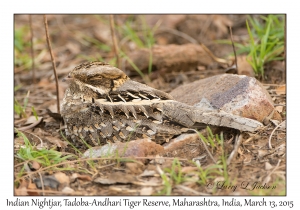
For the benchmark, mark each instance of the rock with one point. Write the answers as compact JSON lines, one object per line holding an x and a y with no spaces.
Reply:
{"x":235,"y":94}
{"x":169,"y":58}
{"x":136,"y":148}
{"x":184,"y":146}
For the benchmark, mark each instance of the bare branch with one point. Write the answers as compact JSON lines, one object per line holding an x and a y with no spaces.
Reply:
{"x":53,"y":62}
{"x":235,"y":58}
{"x":32,"y":52}
{"x":114,"y":39}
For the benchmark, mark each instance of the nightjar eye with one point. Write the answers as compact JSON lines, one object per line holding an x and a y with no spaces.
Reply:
{"x":95,"y":78}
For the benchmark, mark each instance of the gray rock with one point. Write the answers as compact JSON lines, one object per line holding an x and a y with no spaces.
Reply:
{"x":235,"y":94}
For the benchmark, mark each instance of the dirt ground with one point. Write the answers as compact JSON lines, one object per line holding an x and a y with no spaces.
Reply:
{"x":79,"y":38}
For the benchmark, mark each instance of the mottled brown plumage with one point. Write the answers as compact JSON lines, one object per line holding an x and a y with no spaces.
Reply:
{"x":102,"y":104}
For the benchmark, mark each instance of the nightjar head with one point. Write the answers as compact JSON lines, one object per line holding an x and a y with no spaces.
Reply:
{"x":98,"y":77}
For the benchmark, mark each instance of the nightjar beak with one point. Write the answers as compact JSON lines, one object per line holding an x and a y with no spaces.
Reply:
{"x":67,"y":79}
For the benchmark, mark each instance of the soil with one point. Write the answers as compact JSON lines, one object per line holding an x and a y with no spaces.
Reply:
{"x":79,"y":38}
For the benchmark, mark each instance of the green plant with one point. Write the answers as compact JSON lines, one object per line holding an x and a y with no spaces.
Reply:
{"x":34,"y":113}
{"x":18,"y":108}
{"x":167,"y":189}
{"x":223,"y":158}
{"x":21,"y":47}
{"x":43,"y":156}
{"x":175,"y":172}
{"x":211,"y":139}
{"x":171,"y":176}
{"x":132,"y":64}
{"x":266,"y":41}
{"x":101,"y":46}
{"x":208,"y":174}
{"x":220,"y":166}
{"x":143,"y":37}
{"x":269,"y":42}
{"x":20,"y":41}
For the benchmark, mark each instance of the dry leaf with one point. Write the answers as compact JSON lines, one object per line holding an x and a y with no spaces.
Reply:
{"x":279,"y":108}
{"x":32,"y":119}
{"x":22,"y":189}
{"x":135,"y":168}
{"x":280,"y":90}
{"x":81,"y":177}
{"x":67,"y":190}
{"x":268,"y":166}
{"x":262,"y":153}
{"x":189,"y":169}
{"x":105,"y":181}
{"x":116,"y":177}
{"x":267,"y":179}
{"x":57,"y":141}
{"x":32,"y":186}
{"x":275,"y":122}
{"x":148,"y":173}
{"x":146,"y":191}
{"x":244,"y":68}
{"x":53,"y":108}
{"x":62,"y":178}
{"x":32,"y":123}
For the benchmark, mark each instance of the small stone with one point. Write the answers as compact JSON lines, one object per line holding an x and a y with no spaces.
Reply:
{"x":146,"y":191}
{"x":184,"y":146}
{"x":62,"y":178}
{"x":268,"y":166}
{"x":135,"y":148}
{"x":67,"y":190}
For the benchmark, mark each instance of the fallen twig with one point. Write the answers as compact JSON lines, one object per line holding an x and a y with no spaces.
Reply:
{"x":238,"y":140}
{"x":270,"y":138}
{"x":187,"y":189}
{"x":36,"y":137}
{"x":30,"y":126}
{"x":216,"y":59}
{"x":276,"y":167}
{"x":42,"y":182}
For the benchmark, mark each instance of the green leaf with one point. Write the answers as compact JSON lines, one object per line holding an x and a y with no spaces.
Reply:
{"x":34,"y":113}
